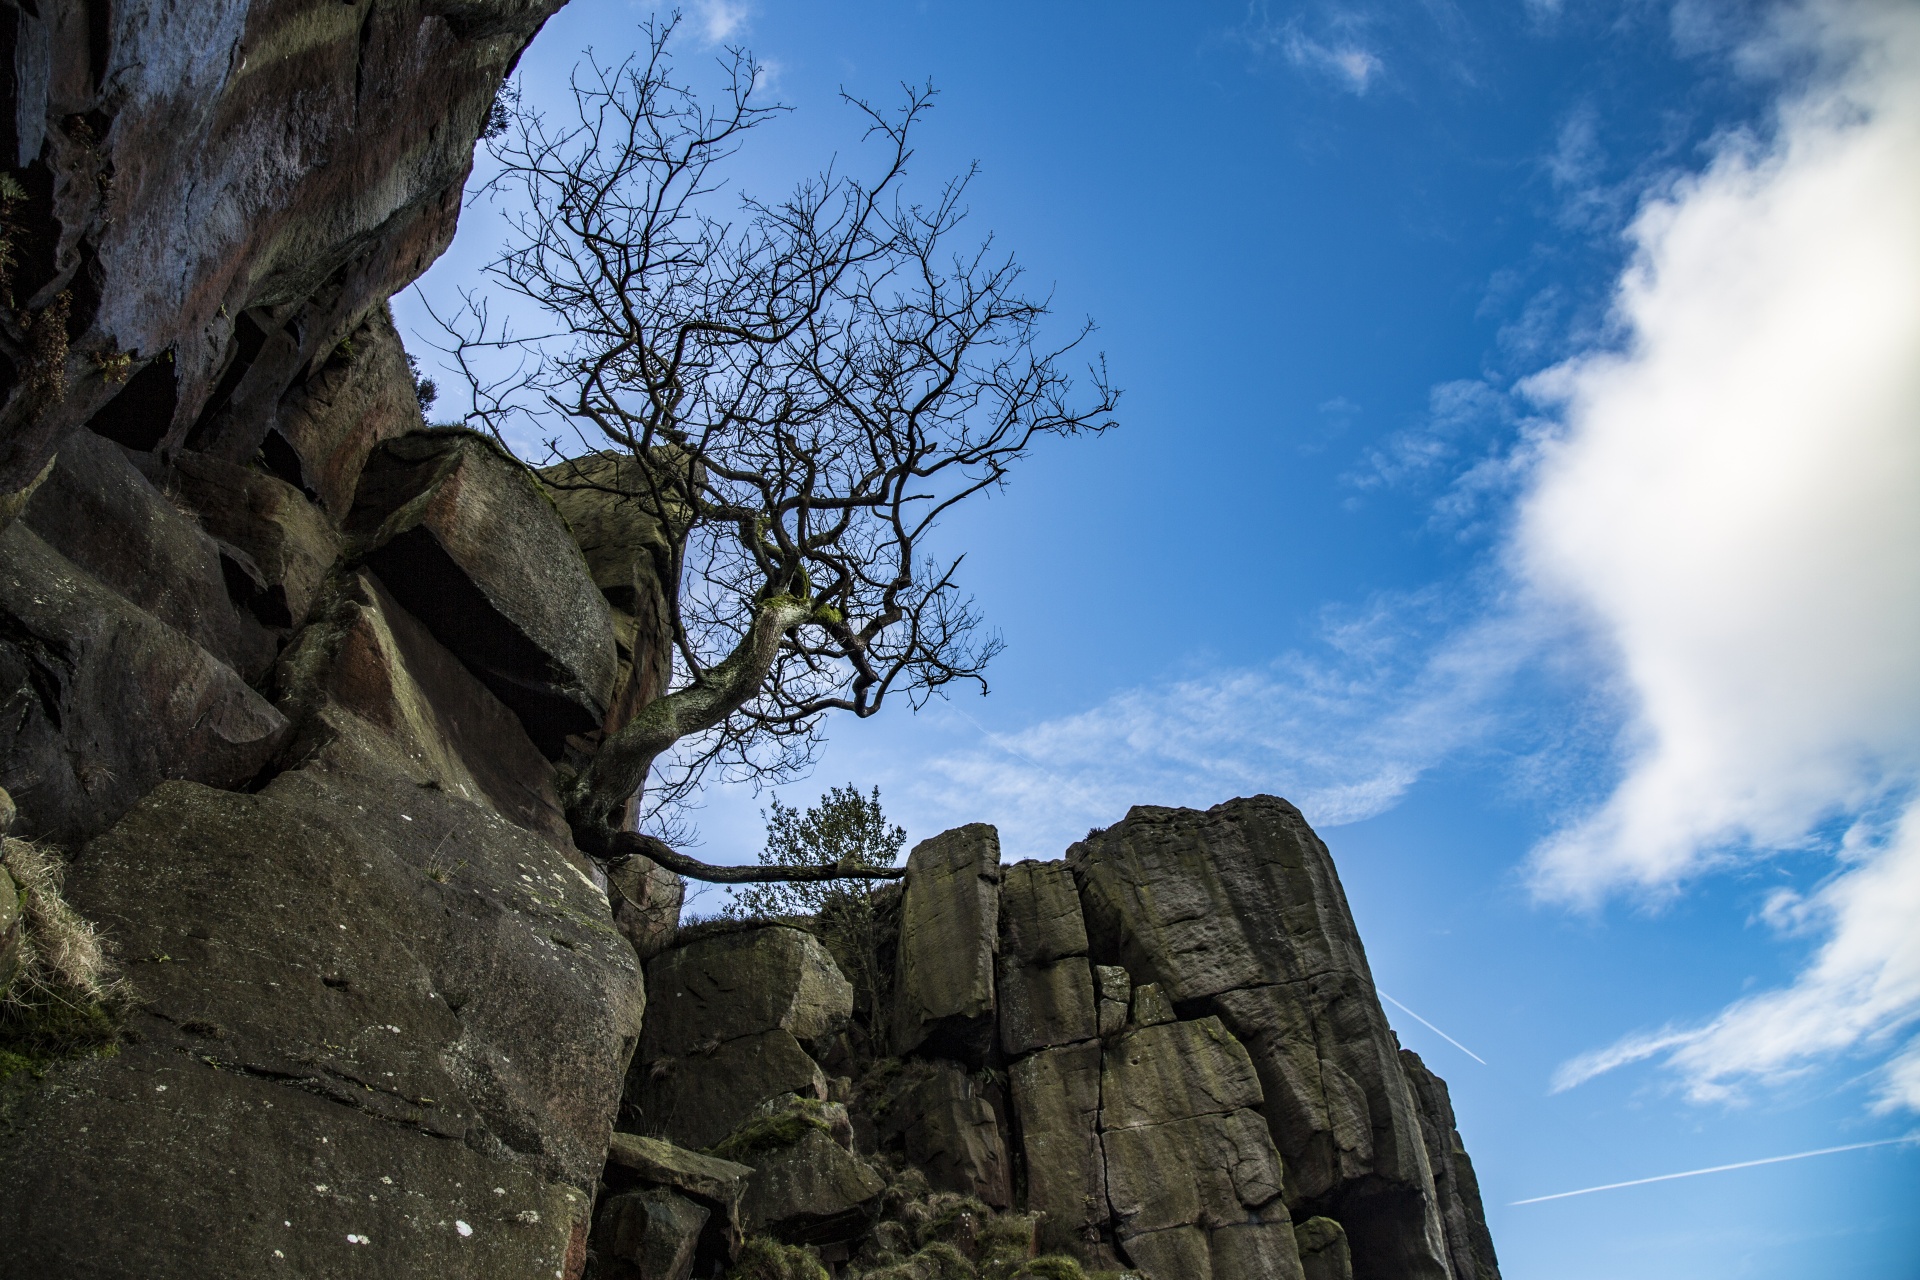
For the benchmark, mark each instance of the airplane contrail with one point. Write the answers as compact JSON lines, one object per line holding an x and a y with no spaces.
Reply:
{"x":1722,"y":1168}
{"x":1429,"y":1026}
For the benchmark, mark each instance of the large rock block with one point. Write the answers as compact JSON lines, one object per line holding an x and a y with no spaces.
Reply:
{"x":1469,"y":1243}
{"x":1056,"y":1094}
{"x":214,"y":196}
{"x":363,"y":1005}
{"x":362,"y":394}
{"x":812,"y":1192}
{"x":951,"y":1133}
{"x":1323,"y":1250}
{"x":646,"y":904}
{"x":949,"y":933}
{"x":730,"y":985}
{"x":1040,"y":917}
{"x":1185,"y":1151}
{"x":101,"y":513}
{"x":466,"y":540}
{"x":698,"y":1098}
{"x":1043,"y":1005}
{"x":281,"y":547}
{"x":106,"y":700}
{"x":369,"y":673}
{"x":1174,"y":1071}
{"x":651,"y":1234}
{"x":634,"y":1161}
{"x":628,"y":526}
{"x":1240,"y":907}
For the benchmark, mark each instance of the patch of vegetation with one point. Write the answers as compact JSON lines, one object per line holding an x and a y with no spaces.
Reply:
{"x":772,"y":1133}
{"x":763,"y":1258}
{"x":64,"y":1002}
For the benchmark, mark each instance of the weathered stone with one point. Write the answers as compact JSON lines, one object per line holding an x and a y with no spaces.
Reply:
{"x":1323,"y":1250}
{"x":103,"y":515}
{"x":1042,"y":1005}
{"x":1040,"y":914}
{"x":1245,"y":1251}
{"x":952,"y":1135}
{"x":646,"y":904}
{"x":8,"y":813}
{"x":660,"y":1163}
{"x":646,"y":1235}
{"x":286,"y":540}
{"x":170,"y":1166}
{"x":465,"y":539}
{"x":812,"y":1192}
{"x":610,"y":503}
{"x":362,"y":394}
{"x":1203,"y":1171}
{"x":1115,"y":996}
{"x":320,"y":1012}
{"x":1469,"y":1243}
{"x":730,"y":985}
{"x":106,"y":700}
{"x":1150,"y":1006}
{"x":370,"y":672}
{"x":1240,"y":906}
{"x":949,"y":932}
{"x":214,"y":196}
{"x":1056,"y":1094}
{"x":1174,"y":1071}
{"x":697,"y":1099}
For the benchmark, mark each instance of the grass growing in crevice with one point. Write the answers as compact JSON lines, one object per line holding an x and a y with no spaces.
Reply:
{"x":64,"y":1001}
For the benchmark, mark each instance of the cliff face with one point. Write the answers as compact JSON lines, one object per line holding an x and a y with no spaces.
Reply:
{"x":286,"y":677}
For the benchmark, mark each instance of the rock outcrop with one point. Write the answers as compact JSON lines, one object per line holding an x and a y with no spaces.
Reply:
{"x":293,"y":682}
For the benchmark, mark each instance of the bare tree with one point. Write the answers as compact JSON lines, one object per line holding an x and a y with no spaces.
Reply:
{"x":808,"y":386}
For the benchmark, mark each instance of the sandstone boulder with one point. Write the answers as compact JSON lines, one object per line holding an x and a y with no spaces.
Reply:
{"x":1040,"y":914}
{"x":660,"y":1163}
{"x":1114,"y":994}
{"x":282,"y":544}
{"x":325,"y":425}
{"x":1056,"y":1094}
{"x":1150,"y":1006}
{"x":611,"y":503}
{"x":696,"y":1099}
{"x":651,"y":1234}
{"x":812,"y":1192}
{"x":465,"y":539}
{"x":950,"y":1132}
{"x":745,"y":983}
{"x":1240,"y":907}
{"x":368,"y":672}
{"x":646,"y":904}
{"x":1043,"y":1005}
{"x":1323,"y":1250}
{"x":104,"y":516}
{"x":949,"y":933}
{"x":106,"y":700}
{"x":363,"y":1005}
{"x":1186,"y":1152}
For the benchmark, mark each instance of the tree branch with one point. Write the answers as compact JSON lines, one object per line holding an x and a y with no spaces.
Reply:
{"x":632,"y":844}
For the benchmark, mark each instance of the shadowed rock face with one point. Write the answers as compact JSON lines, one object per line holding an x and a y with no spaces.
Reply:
{"x":223,"y":191}
{"x":467,"y":541}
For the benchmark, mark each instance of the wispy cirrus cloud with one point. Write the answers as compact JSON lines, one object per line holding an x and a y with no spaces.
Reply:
{"x":1336,"y":48}
{"x":1342,"y":732}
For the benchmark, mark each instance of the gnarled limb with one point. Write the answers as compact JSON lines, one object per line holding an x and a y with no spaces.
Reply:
{"x":632,"y":844}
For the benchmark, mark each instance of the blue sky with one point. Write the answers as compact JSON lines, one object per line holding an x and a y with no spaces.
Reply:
{"x":1520,"y":471}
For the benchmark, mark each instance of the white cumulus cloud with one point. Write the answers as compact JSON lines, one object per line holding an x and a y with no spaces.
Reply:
{"x":1734,"y":509}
